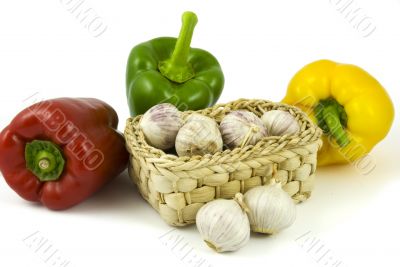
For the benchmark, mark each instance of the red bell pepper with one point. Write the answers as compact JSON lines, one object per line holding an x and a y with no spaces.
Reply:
{"x":61,"y":151}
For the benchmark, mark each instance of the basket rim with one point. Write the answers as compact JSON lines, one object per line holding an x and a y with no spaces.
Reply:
{"x":310,"y":133}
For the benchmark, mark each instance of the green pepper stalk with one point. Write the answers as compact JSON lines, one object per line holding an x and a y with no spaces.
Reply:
{"x":168,"y":70}
{"x":177,"y":68}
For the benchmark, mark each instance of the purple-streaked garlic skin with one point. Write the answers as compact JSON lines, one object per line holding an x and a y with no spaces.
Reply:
{"x":160,"y":125}
{"x":199,"y":135}
{"x":239,"y":125}
{"x":199,"y":117}
{"x":280,"y":122}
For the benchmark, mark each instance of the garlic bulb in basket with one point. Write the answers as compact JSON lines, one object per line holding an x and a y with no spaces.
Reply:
{"x":160,"y":125}
{"x":241,"y":127}
{"x":199,"y":135}
{"x":224,"y":224}
{"x":279,"y":122}
{"x":271,"y":208}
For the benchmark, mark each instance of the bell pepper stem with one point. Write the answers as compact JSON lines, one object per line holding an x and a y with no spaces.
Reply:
{"x":44,"y":159}
{"x":332,"y":119}
{"x":44,"y":163}
{"x":177,"y":68}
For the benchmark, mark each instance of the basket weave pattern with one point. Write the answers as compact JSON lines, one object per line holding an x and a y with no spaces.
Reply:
{"x":178,"y":186}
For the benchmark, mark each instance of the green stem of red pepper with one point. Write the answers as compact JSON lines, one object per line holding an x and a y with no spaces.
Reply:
{"x":177,"y":68}
{"x":44,"y":159}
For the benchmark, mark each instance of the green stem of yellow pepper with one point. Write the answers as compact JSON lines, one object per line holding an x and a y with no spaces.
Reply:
{"x":177,"y":68}
{"x":332,"y":119}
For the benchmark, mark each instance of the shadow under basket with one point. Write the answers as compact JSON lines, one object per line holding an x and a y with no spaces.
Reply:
{"x":177,"y":187}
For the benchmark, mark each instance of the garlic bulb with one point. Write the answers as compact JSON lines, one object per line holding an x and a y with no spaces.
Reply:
{"x":196,"y":116}
{"x":160,"y":125}
{"x":198,"y":136}
{"x":279,"y":122}
{"x":241,"y":128}
{"x":271,"y":208}
{"x":224,"y":224}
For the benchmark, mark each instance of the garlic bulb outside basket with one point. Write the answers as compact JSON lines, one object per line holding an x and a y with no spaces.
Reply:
{"x":224,"y":224}
{"x":199,"y":135}
{"x":271,"y":209}
{"x":160,"y":125}
{"x":241,"y":127}
{"x":280,"y":122}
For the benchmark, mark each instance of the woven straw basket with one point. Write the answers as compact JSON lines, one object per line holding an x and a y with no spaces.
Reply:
{"x":178,"y":186}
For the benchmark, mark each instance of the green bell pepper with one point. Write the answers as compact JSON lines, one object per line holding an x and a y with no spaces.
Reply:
{"x":167,"y":69}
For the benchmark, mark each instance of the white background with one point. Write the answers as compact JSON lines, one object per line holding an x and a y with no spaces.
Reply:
{"x":45,"y":49}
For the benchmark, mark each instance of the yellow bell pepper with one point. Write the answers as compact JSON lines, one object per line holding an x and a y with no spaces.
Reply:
{"x":348,"y":104}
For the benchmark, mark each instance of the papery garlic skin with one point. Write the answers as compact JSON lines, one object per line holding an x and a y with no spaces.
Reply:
{"x":199,"y":135}
{"x":199,"y":117}
{"x":223,"y":224}
{"x":241,"y":127}
{"x":160,"y":125}
{"x":271,"y":208}
{"x":279,"y":122}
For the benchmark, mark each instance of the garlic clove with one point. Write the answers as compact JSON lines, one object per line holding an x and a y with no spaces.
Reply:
{"x":160,"y":125}
{"x":199,"y":135}
{"x":241,"y":127}
{"x":271,"y":208}
{"x":279,"y":122}
{"x":223,"y":224}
